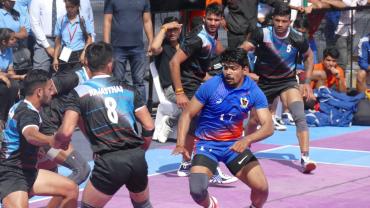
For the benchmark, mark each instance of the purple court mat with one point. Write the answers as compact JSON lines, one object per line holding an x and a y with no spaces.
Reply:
{"x":329,"y":186}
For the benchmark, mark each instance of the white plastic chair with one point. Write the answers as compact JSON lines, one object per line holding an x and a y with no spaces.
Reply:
{"x":165,"y":106}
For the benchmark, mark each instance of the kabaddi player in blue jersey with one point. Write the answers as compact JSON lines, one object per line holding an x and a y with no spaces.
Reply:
{"x":223,"y":102}
{"x":277,"y":48}
{"x":106,"y":110}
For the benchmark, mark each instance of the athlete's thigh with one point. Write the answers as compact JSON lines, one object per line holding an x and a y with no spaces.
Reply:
{"x":94,"y":197}
{"x":252,"y":175}
{"x":17,"y":199}
{"x":291,"y":95}
{"x":50,"y":183}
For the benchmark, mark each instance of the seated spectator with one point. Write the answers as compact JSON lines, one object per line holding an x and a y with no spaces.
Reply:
{"x":364,"y":63}
{"x":164,"y":46}
{"x":328,"y":73}
{"x":8,"y":86}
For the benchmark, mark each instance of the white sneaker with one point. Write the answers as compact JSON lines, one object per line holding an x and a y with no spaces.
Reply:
{"x":165,"y":130}
{"x":287,"y":119}
{"x":277,"y":125}
{"x":184,"y":169}
{"x":307,"y":165}
{"x":222,"y":178}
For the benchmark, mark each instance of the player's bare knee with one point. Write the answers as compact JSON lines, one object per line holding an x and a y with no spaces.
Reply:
{"x":297,"y":110}
{"x":198,"y":183}
{"x":70,"y":189}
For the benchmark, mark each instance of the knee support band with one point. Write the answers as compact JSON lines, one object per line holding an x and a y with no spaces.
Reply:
{"x":198,"y":183}
{"x":144,"y":204}
{"x":297,"y":111}
{"x":79,"y":166}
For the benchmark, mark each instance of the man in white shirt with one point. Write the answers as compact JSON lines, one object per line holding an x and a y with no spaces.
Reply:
{"x":41,"y":19}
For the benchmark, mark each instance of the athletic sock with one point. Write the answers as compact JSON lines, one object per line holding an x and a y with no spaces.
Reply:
{"x":305,"y":156}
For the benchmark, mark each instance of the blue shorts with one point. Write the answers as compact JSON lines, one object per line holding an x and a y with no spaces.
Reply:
{"x":216,"y":150}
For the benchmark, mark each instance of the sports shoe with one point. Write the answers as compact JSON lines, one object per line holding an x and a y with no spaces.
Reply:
{"x":222,"y":178}
{"x":165,"y":130}
{"x":287,"y":119}
{"x":184,"y":169}
{"x":277,"y":125}
{"x":307,"y":165}
{"x":213,"y":202}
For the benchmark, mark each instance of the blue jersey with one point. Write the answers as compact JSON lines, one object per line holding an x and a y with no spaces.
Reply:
{"x":107,"y":108}
{"x":277,"y":56}
{"x":15,"y":150}
{"x":364,"y":52}
{"x":225,"y":108}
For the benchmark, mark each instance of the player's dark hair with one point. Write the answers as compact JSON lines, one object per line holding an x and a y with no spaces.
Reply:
{"x":34,"y":79}
{"x":236,"y":55}
{"x":282,"y":9}
{"x":332,"y":52}
{"x":215,"y":9}
{"x":98,"y":55}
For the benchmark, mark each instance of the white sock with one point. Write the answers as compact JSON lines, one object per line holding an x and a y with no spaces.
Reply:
{"x":211,"y":203}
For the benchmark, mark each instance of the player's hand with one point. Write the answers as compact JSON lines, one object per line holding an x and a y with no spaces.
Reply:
{"x":179,"y":149}
{"x":241,"y":145}
{"x":182,"y":101}
{"x":57,"y":144}
{"x":307,"y":92}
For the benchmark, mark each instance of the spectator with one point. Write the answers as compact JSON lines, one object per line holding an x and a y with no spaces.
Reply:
{"x":123,"y":27}
{"x":43,"y":18}
{"x":73,"y":34}
{"x":364,"y":63}
{"x":164,"y":46}
{"x":8,"y":87}
{"x":328,"y":73}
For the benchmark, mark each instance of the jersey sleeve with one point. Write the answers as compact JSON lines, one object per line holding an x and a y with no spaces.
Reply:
{"x":205,"y":90}
{"x":73,"y":102}
{"x":108,"y":7}
{"x":191,"y":44}
{"x":27,"y":119}
{"x":302,"y":45}
{"x":260,"y":98}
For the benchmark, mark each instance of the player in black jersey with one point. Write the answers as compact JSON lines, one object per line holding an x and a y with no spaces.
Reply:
{"x":107,"y":109}
{"x":277,"y":48}
{"x":19,"y":178}
{"x":52,"y":115}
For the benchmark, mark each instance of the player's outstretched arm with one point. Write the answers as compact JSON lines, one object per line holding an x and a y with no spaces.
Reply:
{"x":65,"y":131}
{"x":33,"y":136}
{"x":183,"y":126}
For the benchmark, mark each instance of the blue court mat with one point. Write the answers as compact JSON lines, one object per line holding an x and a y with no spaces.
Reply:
{"x":320,"y":155}
{"x":288,"y":137}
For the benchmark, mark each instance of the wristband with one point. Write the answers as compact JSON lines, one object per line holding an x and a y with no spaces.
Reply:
{"x":179,"y":90}
{"x":307,"y":81}
{"x":147,"y":133}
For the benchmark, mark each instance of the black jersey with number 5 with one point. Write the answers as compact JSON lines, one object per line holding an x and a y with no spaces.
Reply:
{"x":107,"y":108}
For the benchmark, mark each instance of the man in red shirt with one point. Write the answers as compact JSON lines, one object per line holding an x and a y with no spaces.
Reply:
{"x":328,"y":73}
